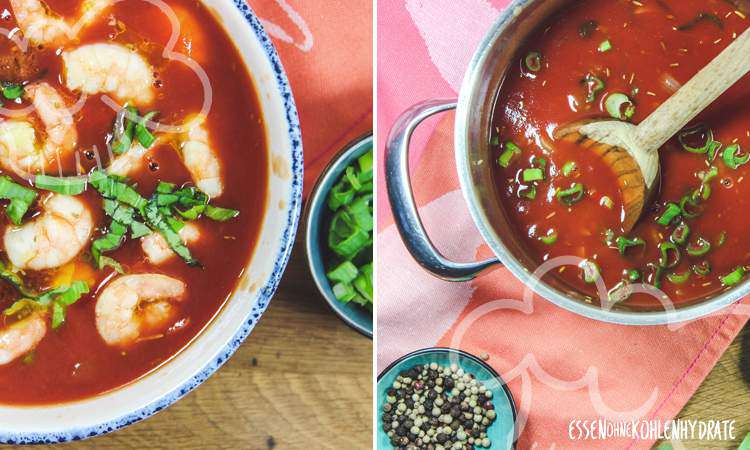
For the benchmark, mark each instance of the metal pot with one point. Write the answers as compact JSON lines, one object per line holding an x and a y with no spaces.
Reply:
{"x":474,"y":110}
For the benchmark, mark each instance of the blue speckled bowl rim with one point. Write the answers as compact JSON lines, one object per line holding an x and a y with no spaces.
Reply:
{"x":314,"y":193}
{"x":487,"y":367}
{"x":264,"y":294}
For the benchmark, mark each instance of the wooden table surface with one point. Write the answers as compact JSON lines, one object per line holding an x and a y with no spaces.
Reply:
{"x":724,"y":395}
{"x":302,"y":380}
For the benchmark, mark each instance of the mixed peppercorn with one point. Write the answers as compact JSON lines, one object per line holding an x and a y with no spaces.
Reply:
{"x":438,"y":408}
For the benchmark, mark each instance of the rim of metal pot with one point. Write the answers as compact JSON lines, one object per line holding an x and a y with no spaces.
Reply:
{"x":472,"y":198}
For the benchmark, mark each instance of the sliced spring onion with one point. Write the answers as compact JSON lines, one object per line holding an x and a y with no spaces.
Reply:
{"x":619,"y":106}
{"x":572,"y":195}
{"x":686,"y":136}
{"x":710,"y":174}
{"x":510,"y":151}
{"x":533,"y":61}
{"x":20,"y":198}
{"x":144,"y":136}
{"x":678,"y":278}
{"x":669,"y":255}
{"x":713,"y":150}
{"x":590,"y":271}
{"x":623,"y":243}
{"x":345,"y":272}
{"x":12,"y":91}
{"x":703,"y":268}
{"x":680,"y":234}
{"x":550,"y":238}
{"x":734,"y":157}
{"x":605,"y":46}
{"x":568,"y":168}
{"x":345,"y":237}
{"x":686,"y":202}
{"x":593,"y":85}
{"x":528,"y":192}
{"x":654,"y":277}
{"x":721,"y":239}
{"x":533,"y":174}
{"x":698,"y":247}
{"x":671,"y":212}
{"x":633,"y":275}
{"x":587,"y":28}
{"x":607,"y":202}
{"x":61,"y":185}
{"x":733,"y":277}
{"x":620,"y":292}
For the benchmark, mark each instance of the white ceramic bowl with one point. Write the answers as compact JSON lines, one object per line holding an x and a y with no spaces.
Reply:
{"x":210,"y":349}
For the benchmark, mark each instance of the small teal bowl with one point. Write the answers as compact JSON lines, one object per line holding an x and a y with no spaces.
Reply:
{"x":501,"y":432}
{"x":317,"y":218}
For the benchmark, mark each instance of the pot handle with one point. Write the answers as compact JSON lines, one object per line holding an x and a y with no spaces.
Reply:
{"x":402,"y":201}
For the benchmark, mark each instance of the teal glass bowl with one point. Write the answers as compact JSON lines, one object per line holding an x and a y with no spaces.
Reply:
{"x":317,"y":218}
{"x":501,"y":432}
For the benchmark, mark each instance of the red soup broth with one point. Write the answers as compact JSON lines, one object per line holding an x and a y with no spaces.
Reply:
{"x":645,"y":50}
{"x":73,"y":362}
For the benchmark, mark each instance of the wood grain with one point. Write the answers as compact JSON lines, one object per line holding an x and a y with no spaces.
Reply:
{"x":302,"y":380}
{"x":724,"y":395}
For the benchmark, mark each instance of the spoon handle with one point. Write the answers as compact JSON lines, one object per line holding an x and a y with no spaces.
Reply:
{"x":695,"y":95}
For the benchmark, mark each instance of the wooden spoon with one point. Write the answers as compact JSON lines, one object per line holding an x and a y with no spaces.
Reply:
{"x":632,"y":151}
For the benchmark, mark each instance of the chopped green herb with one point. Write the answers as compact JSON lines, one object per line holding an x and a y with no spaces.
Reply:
{"x":594,"y":85}
{"x":624,"y":243}
{"x":669,"y":255}
{"x":733,"y":277}
{"x":605,"y":46}
{"x":12,"y":91}
{"x":671,"y":212}
{"x":550,"y":238}
{"x":678,"y":278}
{"x":20,"y":198}
{"x":619,"y":106}
{"x":698,"y":247}
{"x":572,"y":195}
{"x":734,"y":157}
{"x":568,"y":168}
{"x":533,"y":174}
{"x":510,"y":151}
{"x":590,"y":271}
{"x":533,"y":61}
{"x":144,"y":136}
{"x":61,"y":185}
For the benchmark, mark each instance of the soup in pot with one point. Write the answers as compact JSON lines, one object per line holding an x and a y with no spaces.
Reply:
{"x":621,"y":59}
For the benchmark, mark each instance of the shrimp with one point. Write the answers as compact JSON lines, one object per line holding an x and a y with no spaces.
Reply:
{"x":134,"y":305}
{"x":22,"y":337}
{"x":158,"y":251}
{"x":109,"y":68}
{"x":19,"y":150}
{"x":54,"y":238}
{"x":129,"y":161}
{"x":43,"y":27}
{"x":200,"y":159}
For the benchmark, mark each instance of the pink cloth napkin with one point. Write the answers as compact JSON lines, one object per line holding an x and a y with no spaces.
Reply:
{"x":559,"y":366}
{"x":326,"y":49}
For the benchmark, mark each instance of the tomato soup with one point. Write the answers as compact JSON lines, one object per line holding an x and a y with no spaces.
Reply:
{"x":134,"y":186}
{"x":621,"y":59}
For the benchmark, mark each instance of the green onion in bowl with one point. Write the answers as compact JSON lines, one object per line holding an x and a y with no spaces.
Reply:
{"x":350,"y":234}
